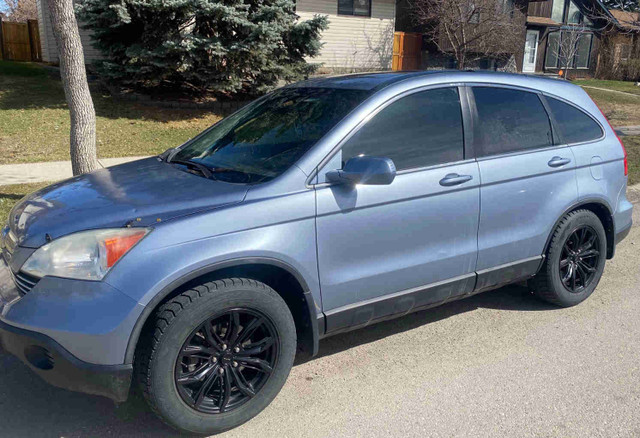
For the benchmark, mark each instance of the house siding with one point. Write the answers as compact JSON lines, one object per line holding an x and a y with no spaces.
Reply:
{"x":349,"y":43}
{"x":48,"y":41}
{"x":540,"y":8}
{"x":354,"y":43}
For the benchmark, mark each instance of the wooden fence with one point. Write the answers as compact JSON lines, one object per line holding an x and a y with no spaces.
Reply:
{"x":20,"y":41}
{"x":407,"y":51}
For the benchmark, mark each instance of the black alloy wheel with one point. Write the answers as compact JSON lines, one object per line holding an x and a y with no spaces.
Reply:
{"x":579,"y":259}
{"x":574,"y":261}
{"x":226,"y":361}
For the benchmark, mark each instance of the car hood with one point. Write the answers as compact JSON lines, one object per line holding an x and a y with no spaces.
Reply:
{"x":138,"y":193}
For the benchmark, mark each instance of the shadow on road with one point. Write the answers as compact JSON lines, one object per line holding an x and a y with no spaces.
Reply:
{"x":513,"y":297}
{"x":31,"y":408}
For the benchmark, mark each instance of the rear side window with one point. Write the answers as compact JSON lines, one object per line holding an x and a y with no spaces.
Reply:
{"x":510,"y":121}
{"x":422,"y":129}
{"x":574,"y":125}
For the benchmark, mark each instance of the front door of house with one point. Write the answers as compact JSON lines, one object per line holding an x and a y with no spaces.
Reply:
{"x":530,"y":51}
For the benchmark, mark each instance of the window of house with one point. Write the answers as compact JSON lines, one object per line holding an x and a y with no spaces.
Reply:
{"x":360,"y":8}
{"x":474,"y":18}
{"x":507,"y":7}
{"x":422,"y":129}
{"x":510,"y":121}
{"x":553,"y":47}
{"x":574,"y":125}
{"x":574,"y":16}
{"x":557,"y":11}
{"x":624,"y":51}
{"x":583,"y":51}
{"x":554,"y":54}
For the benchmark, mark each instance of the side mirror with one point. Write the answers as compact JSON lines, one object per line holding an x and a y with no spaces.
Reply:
{"x":365,"y":170}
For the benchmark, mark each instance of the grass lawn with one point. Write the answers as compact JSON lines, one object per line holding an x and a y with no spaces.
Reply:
{"x":632,"y":145}
{"x":10,"y":195}
{"x":626,"y":86}
{"x":621,"y":110}
{"x":34,"y":120}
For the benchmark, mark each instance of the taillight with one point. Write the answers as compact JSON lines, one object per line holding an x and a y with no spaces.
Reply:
{"x":624,"y":150}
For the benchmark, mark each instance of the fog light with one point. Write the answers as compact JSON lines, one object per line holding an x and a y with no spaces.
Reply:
{"x":39,"y":357}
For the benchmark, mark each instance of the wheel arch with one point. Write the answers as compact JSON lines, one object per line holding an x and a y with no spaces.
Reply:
{"x":280,"y":276}
{"x":602,"y":210}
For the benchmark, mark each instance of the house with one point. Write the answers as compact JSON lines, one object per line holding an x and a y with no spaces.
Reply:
{"x":359,"y":37}
{"x":554,"y":24}
{"x":547,"y":26}
{"x":621,"y":47}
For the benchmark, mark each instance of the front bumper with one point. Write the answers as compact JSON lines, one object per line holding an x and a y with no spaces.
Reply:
{"x":73,"y":334}
{"x":60,"y":368}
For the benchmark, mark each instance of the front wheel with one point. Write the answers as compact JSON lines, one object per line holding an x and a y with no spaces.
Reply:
{"x":220,"y":354}
{"x":575,"y":260}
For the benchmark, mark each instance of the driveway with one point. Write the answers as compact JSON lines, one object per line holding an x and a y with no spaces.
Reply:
{"x":498,"y":364}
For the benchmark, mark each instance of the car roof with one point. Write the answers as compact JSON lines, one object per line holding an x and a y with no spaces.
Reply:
{"x":378,"y":80}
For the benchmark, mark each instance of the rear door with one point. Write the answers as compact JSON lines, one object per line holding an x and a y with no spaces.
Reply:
{"x":528,"y":181}
{"x":385,"y":250}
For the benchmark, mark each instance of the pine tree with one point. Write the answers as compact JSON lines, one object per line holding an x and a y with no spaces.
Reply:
{"x":221,"y":46}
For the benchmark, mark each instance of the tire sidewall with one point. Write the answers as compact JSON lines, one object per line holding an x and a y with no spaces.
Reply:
{"x":553,"y":262}
{"x":163,"y":388}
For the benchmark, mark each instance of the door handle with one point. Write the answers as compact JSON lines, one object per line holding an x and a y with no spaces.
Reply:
{"x":558,"y":161}
{"x":453,"y":179}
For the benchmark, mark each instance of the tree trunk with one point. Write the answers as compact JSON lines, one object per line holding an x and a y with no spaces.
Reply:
{"x":76,"y":89}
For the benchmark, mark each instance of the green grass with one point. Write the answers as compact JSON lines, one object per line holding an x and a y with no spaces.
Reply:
{"x":626,"y":86}
{"x":632,"y":145}
{"x":10,"y":195}
{"x":34,"y":120}
{"x":620,"y":109}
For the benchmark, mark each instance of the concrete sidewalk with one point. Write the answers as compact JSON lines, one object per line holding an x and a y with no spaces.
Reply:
{"x":628,"y":130}
{"x":612,"y":91}
{"x":47,"y":171}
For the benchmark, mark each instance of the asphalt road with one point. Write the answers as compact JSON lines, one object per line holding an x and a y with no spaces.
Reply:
{"x":497,"y":364}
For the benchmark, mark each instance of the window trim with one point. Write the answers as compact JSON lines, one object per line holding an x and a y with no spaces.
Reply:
{"x":476,"y":146}
{"x":467,"y":154}
{"x":353,"y":14}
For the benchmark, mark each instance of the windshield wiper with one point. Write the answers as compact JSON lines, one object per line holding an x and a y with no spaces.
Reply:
{"x":200,"y":167}
{"x":168,"y":154}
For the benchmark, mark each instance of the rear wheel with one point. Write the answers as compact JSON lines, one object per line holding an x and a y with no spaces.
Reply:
{"x":575,"y":260}
{"x":220,"y":354}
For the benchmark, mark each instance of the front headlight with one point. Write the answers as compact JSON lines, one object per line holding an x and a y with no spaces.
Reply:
{"x":87,"y":255}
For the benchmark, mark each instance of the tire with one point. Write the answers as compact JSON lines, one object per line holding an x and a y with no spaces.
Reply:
{"x":569,"y":259}
{"x":178,"y":365}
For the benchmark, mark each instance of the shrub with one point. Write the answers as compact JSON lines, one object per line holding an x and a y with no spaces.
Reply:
{"x":222,"y":46}
{"x":631,"y":69}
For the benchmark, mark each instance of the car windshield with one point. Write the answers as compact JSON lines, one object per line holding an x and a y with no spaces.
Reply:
{"x":266,"y":137}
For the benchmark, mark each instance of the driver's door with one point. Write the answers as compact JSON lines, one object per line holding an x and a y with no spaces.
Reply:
{"x":384,"y":250}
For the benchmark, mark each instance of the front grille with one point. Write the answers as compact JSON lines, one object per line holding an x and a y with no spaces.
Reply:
{"x":24,"y":282}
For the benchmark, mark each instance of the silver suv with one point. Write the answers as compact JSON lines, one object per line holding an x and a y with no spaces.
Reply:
{"x":322,"y":207}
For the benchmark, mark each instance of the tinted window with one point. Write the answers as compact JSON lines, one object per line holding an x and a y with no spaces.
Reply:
{"x":419,"y":130}
{"x":266,"y":137}
{"x":574,"y":125}
{"x":510,"y":120}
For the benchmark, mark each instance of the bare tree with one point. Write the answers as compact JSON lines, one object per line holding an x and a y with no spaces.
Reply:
{"x":470,"y":29}
{"x":569,"y":45}
{"x":21,"y":10}
{"x":76,"y":89}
